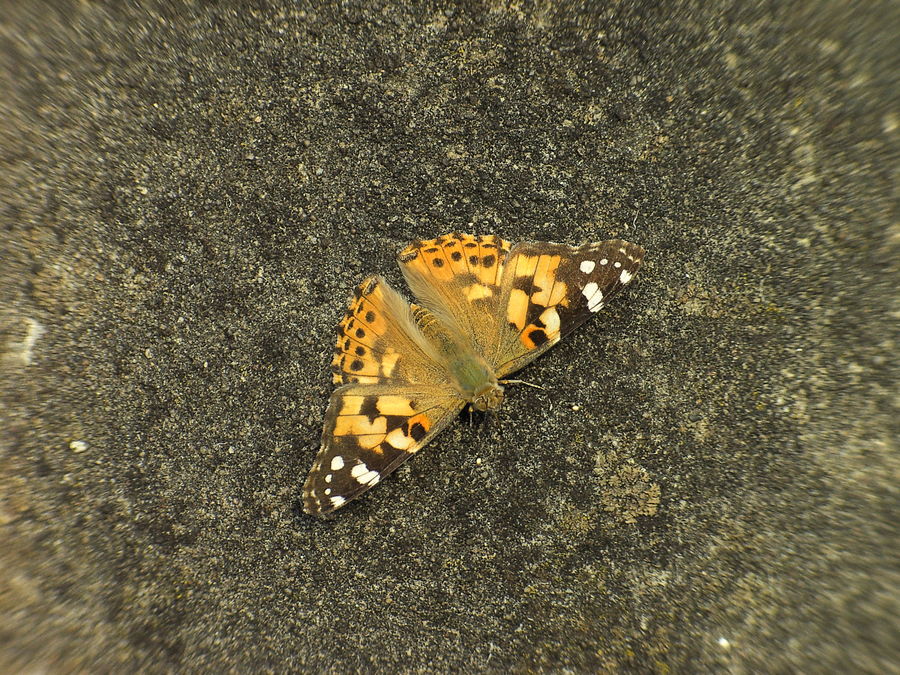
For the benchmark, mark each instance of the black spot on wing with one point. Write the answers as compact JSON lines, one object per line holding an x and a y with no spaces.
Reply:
{"x":523,"y":283}
{"x":395,"y":422}
{"x":369,"y":408}
{"x":418,"y":432}
{"x":538,"y":336}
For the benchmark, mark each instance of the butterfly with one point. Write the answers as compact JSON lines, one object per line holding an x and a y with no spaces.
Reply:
{"x":485,"y":309}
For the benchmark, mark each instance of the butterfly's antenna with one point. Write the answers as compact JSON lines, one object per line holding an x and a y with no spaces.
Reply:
{"x":527,"y":384}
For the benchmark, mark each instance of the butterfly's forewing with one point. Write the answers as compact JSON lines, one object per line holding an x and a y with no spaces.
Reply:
{"x":370,"y":429}
{"x":549,"y":289}
{"x":457,"y":278}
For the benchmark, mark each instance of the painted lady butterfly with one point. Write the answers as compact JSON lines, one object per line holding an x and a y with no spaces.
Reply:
{"x":407,"y":370}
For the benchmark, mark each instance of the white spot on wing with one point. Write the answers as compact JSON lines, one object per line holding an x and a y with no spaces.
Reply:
{"x":337,"y":463}
{"x":550,"y":319}
{"x":604,"y":261}
{"x":617,"y":264}
{"x":594,"y":296}
{"x":587,"y":266}
{"x":399,"y":440}
{"x":625,"y":276}
{"x":337,"y":500}
{"x":364,"y":475}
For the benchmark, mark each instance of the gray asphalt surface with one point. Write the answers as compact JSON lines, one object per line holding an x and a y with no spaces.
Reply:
{"x":188,"y":194}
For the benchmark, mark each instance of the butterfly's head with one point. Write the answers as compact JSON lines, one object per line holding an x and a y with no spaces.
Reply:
{"x":488,"y":398}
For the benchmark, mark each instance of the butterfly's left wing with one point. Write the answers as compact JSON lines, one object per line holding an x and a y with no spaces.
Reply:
{"x":549,"y":289}
{"x":397,"y":394}
{"x":370,"y":430}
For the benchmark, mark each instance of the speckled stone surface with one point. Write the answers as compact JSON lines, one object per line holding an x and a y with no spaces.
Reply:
{"x":187,"y":197}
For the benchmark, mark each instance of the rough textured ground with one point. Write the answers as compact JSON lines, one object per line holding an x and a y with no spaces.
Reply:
{"x":188,"y":196}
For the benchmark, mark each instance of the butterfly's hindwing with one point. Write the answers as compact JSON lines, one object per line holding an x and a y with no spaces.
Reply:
{"x":370,"y":430}
{"x":550,"y":289}
{"x":457,"y":277}
{"x":378,"y":341}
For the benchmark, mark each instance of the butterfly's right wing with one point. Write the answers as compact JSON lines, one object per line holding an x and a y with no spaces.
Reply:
{"x":370,"y":430}
{"x":549,"y":289}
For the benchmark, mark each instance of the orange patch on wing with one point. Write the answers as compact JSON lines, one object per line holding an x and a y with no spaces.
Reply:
{"x":517,"y":309}
{"x":364,"y":379}
{"x":526,"y":265}
{"x":351,"y":405}
{"x":351,"y":365}
{"x":359,"y":425}
{"x":434,"y":262}
{"x":394,"y":405}
{"x":544,"y":276}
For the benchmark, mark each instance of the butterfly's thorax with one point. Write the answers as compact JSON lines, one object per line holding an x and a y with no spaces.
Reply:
{"x":473,"y":376}
{"x":475,"y":381}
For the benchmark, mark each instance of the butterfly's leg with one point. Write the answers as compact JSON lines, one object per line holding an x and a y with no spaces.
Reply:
{"x":493,"y":417}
